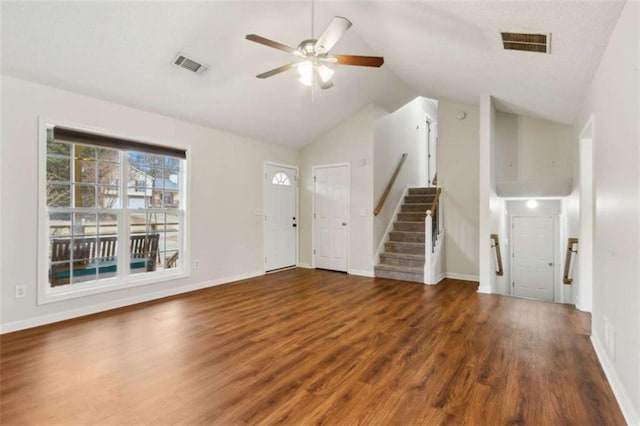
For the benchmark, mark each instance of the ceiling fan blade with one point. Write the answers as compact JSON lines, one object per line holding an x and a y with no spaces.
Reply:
{"x":362,"y":61}
{"x":332,"y":34}
{"x":261,"y":40}
{"x":278,"y":70}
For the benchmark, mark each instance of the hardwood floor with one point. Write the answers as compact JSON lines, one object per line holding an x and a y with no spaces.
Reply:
{"x":312,"y":347}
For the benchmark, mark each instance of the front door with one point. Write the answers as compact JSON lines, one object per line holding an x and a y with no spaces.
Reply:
{"x":280,"y":217}
{"x":331,"y":201}
{"x":533,"y":257}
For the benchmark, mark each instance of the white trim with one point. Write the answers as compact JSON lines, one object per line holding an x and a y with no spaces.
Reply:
{"x":313,"y":209}
{"x":101,"y":307}
{"x":433,"y":126}
{"x":385,"y":237}
{"x":629,"y":413}
{"x":485,"y":289}
{"x":304,"y":265}
{"x":463,"y":277}
{"x":586,"y":215}
{"x":362,"y":272}
{"x":264,"y":203}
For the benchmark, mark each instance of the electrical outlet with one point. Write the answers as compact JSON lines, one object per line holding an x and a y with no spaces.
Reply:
{"x":21,"y":291}
{"x":196,"y":264}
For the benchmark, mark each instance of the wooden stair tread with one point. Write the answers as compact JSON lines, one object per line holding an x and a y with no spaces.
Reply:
{"x":397,"y":268}
{"x":403,"y":255}
{"x":407,"y":243}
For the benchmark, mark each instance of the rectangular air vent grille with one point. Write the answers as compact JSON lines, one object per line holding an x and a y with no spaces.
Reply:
{"x":189,"y":64}
{"x":527,"y":42}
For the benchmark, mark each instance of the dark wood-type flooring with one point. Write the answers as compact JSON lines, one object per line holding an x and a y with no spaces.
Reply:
{"x":312,"y":347}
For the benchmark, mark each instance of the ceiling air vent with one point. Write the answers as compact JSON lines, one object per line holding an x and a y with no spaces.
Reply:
{"x":189,"y":64}
{"x":527,"y":42}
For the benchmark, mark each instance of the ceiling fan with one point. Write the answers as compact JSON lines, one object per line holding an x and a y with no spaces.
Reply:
{"x":313,"y":55}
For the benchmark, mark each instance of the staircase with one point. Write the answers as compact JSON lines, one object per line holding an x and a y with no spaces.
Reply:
{"x":404,"y":254}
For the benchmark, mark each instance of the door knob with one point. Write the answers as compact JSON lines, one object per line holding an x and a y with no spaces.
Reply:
{"x":294,"y":225}
{"x":344,"y":223}
{"x":550,"y":263}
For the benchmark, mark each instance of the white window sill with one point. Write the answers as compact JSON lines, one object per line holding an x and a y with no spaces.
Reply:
{"x":48,"y":295}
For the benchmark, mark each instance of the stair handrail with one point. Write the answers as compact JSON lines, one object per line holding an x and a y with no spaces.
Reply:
{"x":567,"y":276}
{"x":387,"y":190}
{"x":496,"y":245}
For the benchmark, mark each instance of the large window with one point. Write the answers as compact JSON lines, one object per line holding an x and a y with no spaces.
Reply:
{"x":114,"y":213}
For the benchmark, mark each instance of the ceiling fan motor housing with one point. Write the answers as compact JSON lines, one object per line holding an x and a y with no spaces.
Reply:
{"x":308,"y":47}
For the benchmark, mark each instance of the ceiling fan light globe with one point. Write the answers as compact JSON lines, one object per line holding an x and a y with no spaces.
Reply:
{"x":325,"y":73}
{"x":306,"y":80}
{"x":305,"y":69}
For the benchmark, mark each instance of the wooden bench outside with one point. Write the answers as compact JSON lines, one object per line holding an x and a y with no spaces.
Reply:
{"x":93,"y":255}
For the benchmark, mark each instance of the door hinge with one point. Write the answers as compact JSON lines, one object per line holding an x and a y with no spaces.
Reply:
{"x":314,"y":178}
{"x":314,"y":251}
{"x":265,"y":176}
{"x":314,"y":215}
{"x":265,"y":260}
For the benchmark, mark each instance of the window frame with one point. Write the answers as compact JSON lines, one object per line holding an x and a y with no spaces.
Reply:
{"x":122,"y":280}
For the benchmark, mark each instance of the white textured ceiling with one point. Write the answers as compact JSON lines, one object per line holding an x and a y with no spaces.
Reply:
{"x":122,"y":52}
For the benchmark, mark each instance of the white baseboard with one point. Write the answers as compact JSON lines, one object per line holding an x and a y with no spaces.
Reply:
{"x":485,"y":289}
{"x":362,"y":272}
{"x":462,"y":277}
{"x":101,"y":307}
{"x":440,"y":277}
{"x":304,"y":265}
{"x":629,"y":413}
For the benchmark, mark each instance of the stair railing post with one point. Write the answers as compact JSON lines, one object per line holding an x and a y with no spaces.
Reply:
{"x":428,"y":244}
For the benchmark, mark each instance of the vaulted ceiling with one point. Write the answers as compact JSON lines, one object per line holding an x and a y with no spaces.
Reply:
{"x":123,"y":52}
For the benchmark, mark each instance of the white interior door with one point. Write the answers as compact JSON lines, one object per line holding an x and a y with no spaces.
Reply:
{"x":280,"y":217}
{"x":533,"y":239}
{"x":331,"y":203}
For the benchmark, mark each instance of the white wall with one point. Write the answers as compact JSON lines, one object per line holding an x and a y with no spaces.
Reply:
{"x":533,"y":157}
{"x":532,"y":149}
{"x":226,"y":190}
{"x":489,"y":204}
{"x":613,"y":99}
{"x":349,"y":142}
{"x":458,"y":172}
{"x":403,"y":131}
